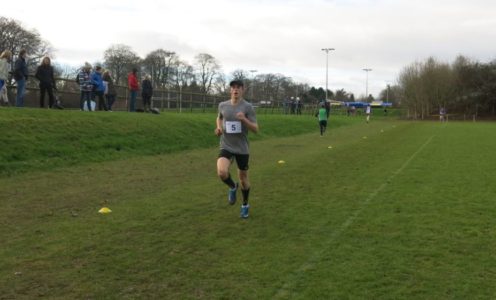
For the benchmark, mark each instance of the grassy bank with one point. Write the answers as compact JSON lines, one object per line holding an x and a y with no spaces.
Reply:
{"x":37,"y":139}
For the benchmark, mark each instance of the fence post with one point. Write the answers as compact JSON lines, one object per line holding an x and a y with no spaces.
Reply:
{"x":162,"y":101}
{"x":127,"y":95}
{"x":180,"y":98}
{"x":191,"y":102}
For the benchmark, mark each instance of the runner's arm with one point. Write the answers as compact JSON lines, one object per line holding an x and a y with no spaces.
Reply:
{"x":218,"y":129}
{"x":253,"y":126}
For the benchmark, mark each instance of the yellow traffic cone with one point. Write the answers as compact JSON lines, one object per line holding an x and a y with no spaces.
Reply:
{"x":105,"y":210}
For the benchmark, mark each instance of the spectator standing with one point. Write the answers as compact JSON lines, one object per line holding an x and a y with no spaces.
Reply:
{"x":21,"y":76}
{"x":84,"y":80}
{"x":133,"y":85}
{"x":99,"y":87}
{"x":285,"y":105}
{"x":147,"y":93}
{"x":110,"y":91}
{"x":5,"y":59}
{"x":299,"y":105}
{"x":45,"y":74}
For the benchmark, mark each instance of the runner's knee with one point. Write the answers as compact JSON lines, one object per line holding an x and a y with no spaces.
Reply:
{"x":223,"y":174}
{"x":243,"y":178}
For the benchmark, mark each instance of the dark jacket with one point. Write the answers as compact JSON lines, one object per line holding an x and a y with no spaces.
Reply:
{"x":44,"y":73}
{"x":110,"y":84}
{"x":20,"y":69}
{"x":147,"y":88}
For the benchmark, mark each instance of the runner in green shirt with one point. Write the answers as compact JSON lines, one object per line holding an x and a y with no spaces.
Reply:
{"x":322,"y":115}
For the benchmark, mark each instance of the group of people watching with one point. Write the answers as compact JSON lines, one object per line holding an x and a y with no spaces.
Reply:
{"x":292,"y":105}
{"x":97,"y":84}
{"x":92,"y":84}
{"x":100,"y":84}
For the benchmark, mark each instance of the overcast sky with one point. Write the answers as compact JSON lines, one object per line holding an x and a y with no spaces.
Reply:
{"x":273,"y":36}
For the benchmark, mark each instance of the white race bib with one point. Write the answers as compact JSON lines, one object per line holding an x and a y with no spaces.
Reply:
{"x":233,"y":126}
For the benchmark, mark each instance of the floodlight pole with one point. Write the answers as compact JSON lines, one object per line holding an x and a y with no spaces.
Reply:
{"x":253,"y":82}
{"x":367,"y":83}
{"x":327,"y":68}
{"x":387,"y":94}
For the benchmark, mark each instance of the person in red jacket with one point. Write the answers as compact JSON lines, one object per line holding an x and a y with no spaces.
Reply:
{"x":133,"y":85}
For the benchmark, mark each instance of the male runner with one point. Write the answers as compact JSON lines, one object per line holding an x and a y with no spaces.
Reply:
{"x":236,"y":117}
{"x":322,"y":115}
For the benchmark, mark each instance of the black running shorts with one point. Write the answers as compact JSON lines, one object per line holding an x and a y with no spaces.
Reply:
{"x":241,"y":159}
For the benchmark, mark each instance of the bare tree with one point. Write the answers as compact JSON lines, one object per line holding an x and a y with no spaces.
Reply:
{"x":240,"y":75}
{"x":341,"y":95}
{"x":120,"y":59}
{"x":160,"y":64}
{"x":426,"y":87}
{"x":244,"y":76}
{"x":182,"y":74}
{"x":392,"y":94}
{"x":275,"y":86}
{"x":14,"y":37}
{"x":207,"y":69}
{"x":220,"y":85}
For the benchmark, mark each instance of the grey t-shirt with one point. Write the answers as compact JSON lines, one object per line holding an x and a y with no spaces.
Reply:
{"x":235,"y":137}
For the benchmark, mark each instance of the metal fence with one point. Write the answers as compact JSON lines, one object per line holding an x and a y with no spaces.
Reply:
{"x":164,"y":99}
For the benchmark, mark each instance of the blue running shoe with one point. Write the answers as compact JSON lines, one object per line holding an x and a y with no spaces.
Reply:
{"x":231,"y":196}
{"x":244,"y":211}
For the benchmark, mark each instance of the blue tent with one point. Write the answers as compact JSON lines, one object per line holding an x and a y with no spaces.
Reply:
{"x":365,"y":104}
{"x":357,"y":104}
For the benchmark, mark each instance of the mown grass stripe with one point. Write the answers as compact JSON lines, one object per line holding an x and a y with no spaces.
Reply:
{"x":285,"y":290}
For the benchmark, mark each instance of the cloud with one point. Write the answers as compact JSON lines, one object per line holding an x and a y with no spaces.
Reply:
{"x":274,"y":36}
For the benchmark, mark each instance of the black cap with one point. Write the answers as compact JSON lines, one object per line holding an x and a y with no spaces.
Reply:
{"x":236,"y":82}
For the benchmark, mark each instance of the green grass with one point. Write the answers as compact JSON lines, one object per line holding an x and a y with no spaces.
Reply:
{"x":49,"y":139}
{"x":405,"y":213}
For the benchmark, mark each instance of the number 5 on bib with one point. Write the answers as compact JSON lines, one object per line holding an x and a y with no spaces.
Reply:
{"x":233,"y":126}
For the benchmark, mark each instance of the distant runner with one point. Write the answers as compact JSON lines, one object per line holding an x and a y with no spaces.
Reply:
{"x":235,"y":118}
{"x":442,"y":114}
{"x":322,"y":115}
{"x":367,"y":111}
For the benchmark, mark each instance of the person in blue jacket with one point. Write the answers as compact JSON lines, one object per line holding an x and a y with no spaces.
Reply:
{"x":99,"y":88}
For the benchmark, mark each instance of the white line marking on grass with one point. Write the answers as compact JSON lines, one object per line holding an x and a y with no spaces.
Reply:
{"x":285,"y":290}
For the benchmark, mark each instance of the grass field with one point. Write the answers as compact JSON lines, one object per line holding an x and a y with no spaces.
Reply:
{"x":394,"y":210}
